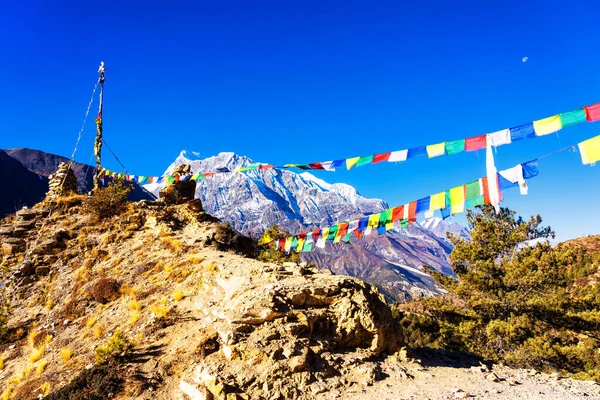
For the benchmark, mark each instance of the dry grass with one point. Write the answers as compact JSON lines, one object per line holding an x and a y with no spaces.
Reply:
{"x":98,"y":331}
{"x":210,"y":266}
{"x":195,"y":259}
{"x":91,"y":321}
{"x":40,"y":367}
{"x":82,"y":274}
{"x":65,"y":354}
{"x":36,"y":354}
{"x":1,"y":363}
{"x":172,"y":244}
{"x":31,"y":337}
{"x":134,"y":317}
{"x":7,"y":393}
{"x":178,"y":295}
{"x":45,"y":389}
{"x":160,"y":310}
{"x":134,"y":305}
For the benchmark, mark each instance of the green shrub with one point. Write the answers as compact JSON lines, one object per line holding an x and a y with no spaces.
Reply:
{"x":109,"y":201}
{"x":530,"y":306}
{"x":271,"y":254}
{"x":118,"y":343}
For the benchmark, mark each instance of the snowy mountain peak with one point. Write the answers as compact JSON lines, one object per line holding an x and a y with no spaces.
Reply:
{"x":441,"y":227}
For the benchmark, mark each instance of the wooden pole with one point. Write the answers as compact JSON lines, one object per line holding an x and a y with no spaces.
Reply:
{"x":98,"y":141}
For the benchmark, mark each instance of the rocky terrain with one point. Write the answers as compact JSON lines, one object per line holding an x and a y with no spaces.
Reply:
{"x":162,"y":303}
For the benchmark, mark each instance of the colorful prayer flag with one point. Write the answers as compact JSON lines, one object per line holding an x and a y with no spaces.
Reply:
{"x":351,"y":162}
{"x":381,"y":157}
{"x":593,"y":112}
{"x":521,"y":132}
{"x":457,"y":199}
{"x":572,"y":117}
{"x":438,"y":201}
{"x":475,"y":143}
{"x":547,"y":126}
{"x":399,"y":155}
{"x":590,"y":150}
{"x":423,"y":205}
{"x":436,"y":150}
{"x":364,"y":160}
{"x":455,"y":147}
{"x":417,"y":152}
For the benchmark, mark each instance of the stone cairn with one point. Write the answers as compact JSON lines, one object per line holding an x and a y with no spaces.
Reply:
{"x":181,"y":191}
{"x":63,"y":174}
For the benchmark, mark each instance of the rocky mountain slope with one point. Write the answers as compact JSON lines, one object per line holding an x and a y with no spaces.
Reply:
{"x":254,"y":200}
{"x":30,"y":169}
{"x":157,"y":303}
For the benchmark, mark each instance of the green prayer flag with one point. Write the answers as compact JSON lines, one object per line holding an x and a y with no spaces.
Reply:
{"x":473,"y":190}
{"x":307,"y":246}
{"x":170,"y":179}
{"x":476,"y":201}
{"x":332,"y":231}
{"x":455,"y":146}
{"x":386,"y":217}
{"x":572,"y":117}
{"x":404,"y":223}
{"x":364,"y":160}
{"x":294,"y":242}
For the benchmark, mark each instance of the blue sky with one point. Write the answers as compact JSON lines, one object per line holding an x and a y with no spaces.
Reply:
{"x":304,"y":81}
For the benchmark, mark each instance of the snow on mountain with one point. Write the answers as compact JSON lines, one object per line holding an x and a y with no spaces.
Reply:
{"x":441,"y":227}
{"x":254,"y":200}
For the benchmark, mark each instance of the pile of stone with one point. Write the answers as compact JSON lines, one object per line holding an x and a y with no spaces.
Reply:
{"x":13,"y":235}
{"x":62,"y":182}
{"x":183,"y":190}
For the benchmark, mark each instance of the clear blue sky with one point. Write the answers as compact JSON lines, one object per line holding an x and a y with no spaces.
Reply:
{"x":304,"y":81}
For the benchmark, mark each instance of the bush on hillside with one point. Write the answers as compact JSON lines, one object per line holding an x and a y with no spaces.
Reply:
{"x":271,"y":254}
{"x":529,"y":306}
{"x":109,"y":201}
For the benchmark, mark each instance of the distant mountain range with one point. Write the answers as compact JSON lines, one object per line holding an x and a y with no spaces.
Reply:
{"x":254,"y":200}
{"x":24,"y":178}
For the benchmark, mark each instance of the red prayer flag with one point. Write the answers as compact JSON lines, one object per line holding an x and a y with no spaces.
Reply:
{"x":412,"y":211}
{"x":593,"y":112}
{"x":397,"y":213}
{"x":150,"y":179}
{"x":381,"y":157}
{"x":316,"y":165}
{"x":281,"y":246}
{"x":475,"y":143}
{"x":209,"y":174}
{"x":267,"y":166}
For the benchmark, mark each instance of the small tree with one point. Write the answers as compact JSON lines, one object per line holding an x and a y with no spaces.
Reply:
{"x":270,"y":253}
{"x":514,"y":300}
{"x":109,"y":201}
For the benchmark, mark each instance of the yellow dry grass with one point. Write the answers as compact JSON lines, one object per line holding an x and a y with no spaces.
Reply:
{"x":98,"y":331}
{"x":65,"y":354}
{"x":177,"y":295}
{"x":36,"y":353}
{"x":40,"y":367}
{"x":134,"y":317}
{"x":91,"y":321}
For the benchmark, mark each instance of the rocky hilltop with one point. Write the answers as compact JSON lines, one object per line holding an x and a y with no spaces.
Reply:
{"x":197,"y":317}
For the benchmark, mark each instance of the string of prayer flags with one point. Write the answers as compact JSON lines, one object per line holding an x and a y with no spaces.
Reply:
{"x":449,"y":202}
{"x":541,"y":127}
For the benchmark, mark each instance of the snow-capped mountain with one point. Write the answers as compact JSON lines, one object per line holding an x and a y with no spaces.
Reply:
{"x":254,"y":200}
{"x":441,"y":228}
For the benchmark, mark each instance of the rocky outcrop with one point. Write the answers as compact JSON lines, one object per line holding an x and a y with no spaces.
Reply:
{"x":282,"y":329}
{"x":182,"y":190}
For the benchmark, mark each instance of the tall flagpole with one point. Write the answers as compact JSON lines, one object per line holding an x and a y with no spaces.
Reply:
{"x":98,"y":141}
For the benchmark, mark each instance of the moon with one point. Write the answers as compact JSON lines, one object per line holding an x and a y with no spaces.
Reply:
{"x":525,"y":59}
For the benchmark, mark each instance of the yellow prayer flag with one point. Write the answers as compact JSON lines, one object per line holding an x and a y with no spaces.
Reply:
{"x":351,"y":162}
{"x":337,"y":237}
{"x":435,"y":150}
{"x":590,"y":150}
{"x":457,"y":199}
{"x":389,"y":226}
{"x":325,"y":233}
{"x":374,"y":221}
{"x":547,"y":125}
{"x":438,"y":201}
{"x":300,"y":245}
{"x":288,"y":244}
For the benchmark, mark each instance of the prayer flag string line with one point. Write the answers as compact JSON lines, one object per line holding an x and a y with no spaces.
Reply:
{"x":530,"y":130}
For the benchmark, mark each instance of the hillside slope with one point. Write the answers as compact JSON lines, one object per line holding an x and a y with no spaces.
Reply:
{"x":20,"y":187}
{"x":200,"y":316}
{"x":159,"y":303}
